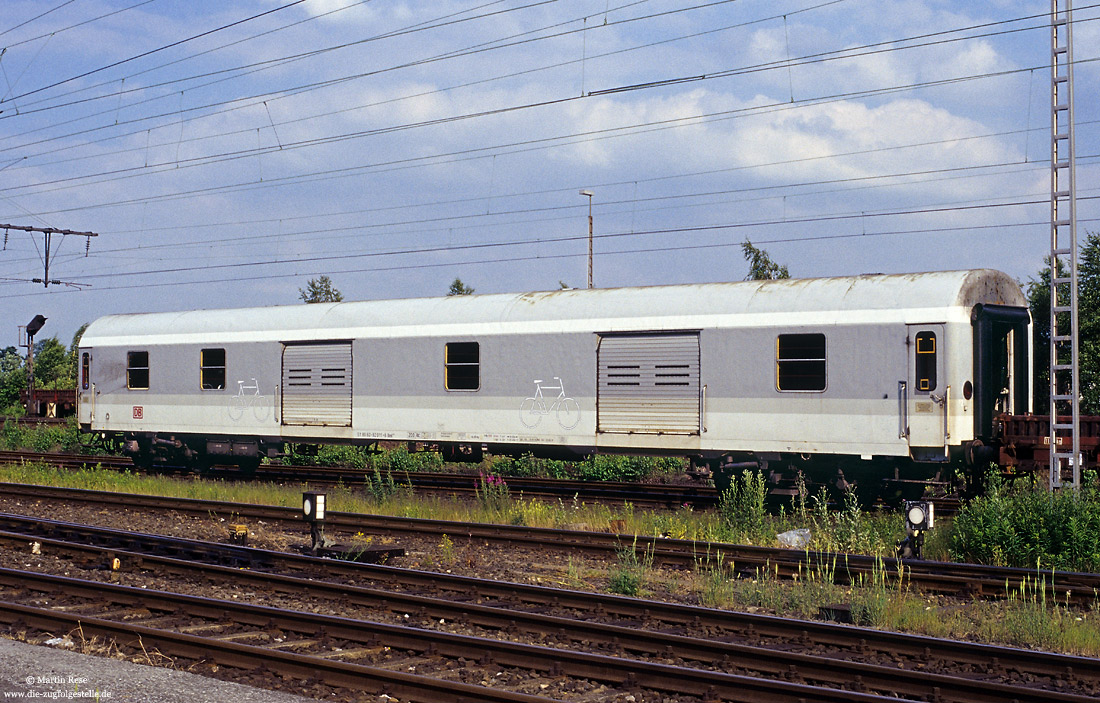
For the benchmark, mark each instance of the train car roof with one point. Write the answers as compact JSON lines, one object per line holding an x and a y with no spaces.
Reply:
{"x":917,"y":297}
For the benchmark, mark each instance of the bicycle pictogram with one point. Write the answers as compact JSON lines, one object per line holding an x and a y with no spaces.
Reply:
{"x":243,"y":400}
{"x":532,"y":409}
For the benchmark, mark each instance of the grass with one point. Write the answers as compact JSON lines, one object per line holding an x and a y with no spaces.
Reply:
{"x":1026,"y":619}
{"x":379,"y":493}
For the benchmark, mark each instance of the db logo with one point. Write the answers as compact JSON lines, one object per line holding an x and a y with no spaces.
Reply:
{"x":139,"y":412}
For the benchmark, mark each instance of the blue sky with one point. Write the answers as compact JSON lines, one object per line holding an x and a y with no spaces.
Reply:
{"x":226,"y":153}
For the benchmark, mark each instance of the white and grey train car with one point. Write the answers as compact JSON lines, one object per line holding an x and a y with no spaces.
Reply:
{"x":906,"y":368}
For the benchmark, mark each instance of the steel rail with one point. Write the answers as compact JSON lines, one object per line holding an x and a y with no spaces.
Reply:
{"x":648,"y":495}
{"x":376,"y":680}
{"x":618,"y":671}
{"x":941,"y":577}
{"x":760,"y":661}
{"x":651,"y":495}
{"x":102,"y":543}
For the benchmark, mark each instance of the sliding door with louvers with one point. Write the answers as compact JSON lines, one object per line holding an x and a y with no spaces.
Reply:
{"x":317,"y":384}
{"x":648,"y":383}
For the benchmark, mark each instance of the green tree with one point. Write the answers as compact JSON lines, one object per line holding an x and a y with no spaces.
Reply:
{"x":320,"y":290}
{"x":52,"y":368}
{"x":1038,"y":297}
{"x":1088,"y":340}
{"x":13,"y":377}
{"x":459,"y":288}
{"x":761,"y":266}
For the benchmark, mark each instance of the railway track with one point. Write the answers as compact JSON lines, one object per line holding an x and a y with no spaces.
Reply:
{"x":32,"y":421}
{"x":650,"y":495}
{"x":653,"y":495}
{"x":968,"y":580}
{"x":664,"y":648}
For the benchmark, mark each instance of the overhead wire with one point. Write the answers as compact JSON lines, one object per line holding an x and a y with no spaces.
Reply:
{"x":605,"y":184}
{"x":250,"y":152}
{"x":277,"y":62}
{"x":150,"y":52}
{"x":128,"y":173}
{"x":39,"y":16}
{"x":268,"y":276}
{"x":739,"y":71}
{"x":692,"y":78}
{"x":571,"y":238}
{"x":78,"y":24}
{"x":607,"y":207}
{"x":283,"y":93}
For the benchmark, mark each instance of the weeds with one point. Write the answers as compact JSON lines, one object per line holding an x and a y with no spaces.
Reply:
{"x":493,"y":493}
{"x":360,"y":543}
{"x":626,"y":578}
{"x":743,"y":509}
{"x":447,"y":554}
{"x":382,"y":489}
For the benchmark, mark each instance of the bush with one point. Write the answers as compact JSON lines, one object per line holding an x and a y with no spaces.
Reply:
{"x":604,"y":467}
{"x":1024,"y":526}
{"x":46,"y":438}
{"x":527,"y":465}
{"x":401,"y":459}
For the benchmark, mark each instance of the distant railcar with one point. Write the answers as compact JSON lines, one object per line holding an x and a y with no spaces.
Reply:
{"x":868,"y":380}
{"x":49,"y":402}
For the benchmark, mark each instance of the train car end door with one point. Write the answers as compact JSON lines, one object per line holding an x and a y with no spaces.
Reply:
{"x":926,"y":393}
{"x":85,"y":394}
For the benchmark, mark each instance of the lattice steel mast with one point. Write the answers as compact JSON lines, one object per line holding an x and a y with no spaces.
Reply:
{"x":1065,"y":406}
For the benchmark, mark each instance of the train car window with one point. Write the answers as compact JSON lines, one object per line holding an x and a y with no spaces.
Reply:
{"x":212,"y":369}
{"x":926,"y":361}
{"x":800,"y":362}
{"x":137,"y":370}
{"x":462,"y":366}
{"x":85,"y":370}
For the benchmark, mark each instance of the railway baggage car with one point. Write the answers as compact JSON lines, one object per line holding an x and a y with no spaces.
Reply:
{"x":849,"y":379}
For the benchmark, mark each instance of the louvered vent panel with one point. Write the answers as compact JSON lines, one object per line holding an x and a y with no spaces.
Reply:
{"x":649,"y":384}
{"x":317,"y":384}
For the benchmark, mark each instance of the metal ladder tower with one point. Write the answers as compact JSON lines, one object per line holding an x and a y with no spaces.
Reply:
{"x":1065,"y":408}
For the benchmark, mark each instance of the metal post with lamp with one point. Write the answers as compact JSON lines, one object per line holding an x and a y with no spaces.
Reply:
{"x":919,"y":518}
{"x":313,"y":510}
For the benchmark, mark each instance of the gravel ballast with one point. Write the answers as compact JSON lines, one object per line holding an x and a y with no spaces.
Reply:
{"x":52,"y":673}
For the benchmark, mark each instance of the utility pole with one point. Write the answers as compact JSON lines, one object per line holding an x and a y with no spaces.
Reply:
{"x":47,"y":236}
{"x":589,"y":194}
